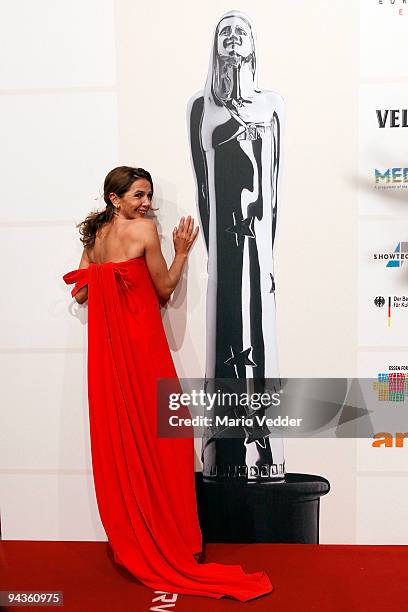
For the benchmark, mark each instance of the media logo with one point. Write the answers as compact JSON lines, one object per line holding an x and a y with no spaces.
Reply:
{"x":391,"y":178}
{"x":392,"y":118}
{"x":396,"y":258}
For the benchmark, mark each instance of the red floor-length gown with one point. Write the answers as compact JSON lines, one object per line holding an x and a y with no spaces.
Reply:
{"x":144,"y":484}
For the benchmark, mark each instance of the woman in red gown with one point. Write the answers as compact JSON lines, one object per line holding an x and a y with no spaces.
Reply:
{"x":144,"y":484}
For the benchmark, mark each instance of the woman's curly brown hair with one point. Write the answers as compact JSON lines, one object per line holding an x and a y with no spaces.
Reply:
{"x":117,"y":181}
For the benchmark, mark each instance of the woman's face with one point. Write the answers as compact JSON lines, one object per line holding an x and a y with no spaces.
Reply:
{"x":234,"y":38}
{"x":136,"y":201}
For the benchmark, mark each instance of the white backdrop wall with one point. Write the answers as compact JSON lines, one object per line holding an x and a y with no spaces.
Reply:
{"x":382,"y":501}
{"x":97,"y":83}
{"x":59,"y":118}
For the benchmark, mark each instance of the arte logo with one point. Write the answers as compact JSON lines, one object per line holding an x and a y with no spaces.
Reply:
{"x":391,"y":178}
{"x":397,"y":6}
{"x":388,"y":440}
{"x":395,"y":259}
{"x":392,"y":118}
{"x":391,"y":387}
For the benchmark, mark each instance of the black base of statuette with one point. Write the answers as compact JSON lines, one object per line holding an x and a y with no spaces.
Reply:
{"x":286,"y":511}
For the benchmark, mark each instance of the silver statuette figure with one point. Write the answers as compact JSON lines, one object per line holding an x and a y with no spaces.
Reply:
{"x":235,"y":132}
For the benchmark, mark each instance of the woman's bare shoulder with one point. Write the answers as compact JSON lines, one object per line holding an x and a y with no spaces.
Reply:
{"x":138,"y":226}
{"x":142,"y":231}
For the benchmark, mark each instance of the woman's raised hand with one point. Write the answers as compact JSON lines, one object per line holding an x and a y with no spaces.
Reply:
{"x":184,"y":235}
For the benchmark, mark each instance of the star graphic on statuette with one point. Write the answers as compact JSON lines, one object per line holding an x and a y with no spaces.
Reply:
{"x":241,"y":359}
{"x":241,"y":228}
{"x":272,"y":289}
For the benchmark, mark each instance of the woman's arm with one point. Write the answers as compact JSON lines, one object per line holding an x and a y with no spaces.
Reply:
{"x":166,"y":280}
{"x":82,"y":295}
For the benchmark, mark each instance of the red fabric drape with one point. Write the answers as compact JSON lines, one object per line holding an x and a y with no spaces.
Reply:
{"x":144,"y":484}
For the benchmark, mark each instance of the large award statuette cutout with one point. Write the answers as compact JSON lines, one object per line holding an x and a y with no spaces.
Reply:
{"x":235,"y":141}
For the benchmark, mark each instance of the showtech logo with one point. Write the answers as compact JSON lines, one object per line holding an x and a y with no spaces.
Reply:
{"x":391,"y":178}
{"x":395,"y":259}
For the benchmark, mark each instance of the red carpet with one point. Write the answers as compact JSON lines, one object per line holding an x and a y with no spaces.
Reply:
{"x":325,"y":578}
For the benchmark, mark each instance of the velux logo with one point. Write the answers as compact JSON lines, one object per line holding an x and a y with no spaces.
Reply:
{"x":392,"y":118}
